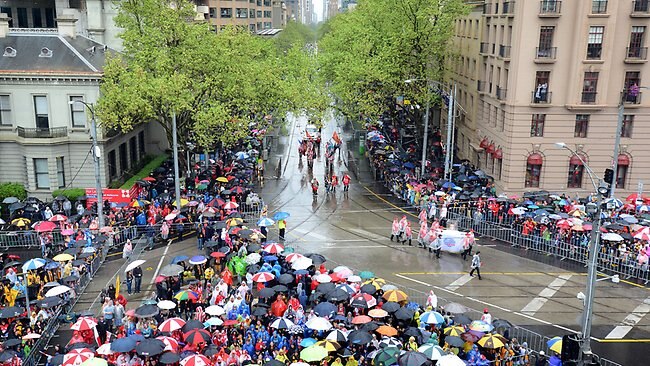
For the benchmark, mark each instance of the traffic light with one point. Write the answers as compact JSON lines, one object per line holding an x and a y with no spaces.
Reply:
{"x":609,"y":176}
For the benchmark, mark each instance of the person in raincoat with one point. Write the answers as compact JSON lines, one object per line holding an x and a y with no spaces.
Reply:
{"x":128,"y":249}
{"x":432,"y":300}
{"x":412,"y":345}
{"x":278,"y":307}
{"x":408,"y":234}
{"x":394,"y":233}
{"x":422,"y":234}
{"x":423,"y":216}
{"x":164,"y":230}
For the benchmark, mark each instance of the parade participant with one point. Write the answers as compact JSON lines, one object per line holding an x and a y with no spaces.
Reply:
{"x":436,"y":246}
{"x":422,"y":235}
{"x":408,"y":234}
{"x":314,"y":186}
{"x":486,"y":317}
{"x":346,"y":182}
{"x":334,"y":182}
{"x":476,"y":265}
{"x":394,"y":229}
{"x":423,"y":216}
{"x":402,"y":225}
{"x":468,"y":243}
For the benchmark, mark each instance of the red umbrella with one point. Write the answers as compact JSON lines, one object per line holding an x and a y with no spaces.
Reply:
{"x":58,"y":217}
{"x":84,"y":323}
{"x":217,"y":254}
{"x":171,"y":344}
{"x":196,"y":360}
{"x":149,"y":179}
{"x":237,"y":190}
{"x":230,"y":322}
{"x":274,"y":248}
{"x":171,"y":325}
{"x":263,"y":277}
{"x":563,"y":224}
{"x":44,"y":226}
{"x":361,"y":319}
{"x":217,"y":202}
{"x":160,"y":279}
{"x":635,"y":197}
{"x":197,"y":336}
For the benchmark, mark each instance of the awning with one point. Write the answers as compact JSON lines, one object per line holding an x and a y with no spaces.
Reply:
{"x":498,"y":154}
{"x":623,"y":160}
{"x":491,"y":149}
{"x":535,"y":159}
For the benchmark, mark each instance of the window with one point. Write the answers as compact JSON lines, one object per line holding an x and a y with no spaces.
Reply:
{"x":268,"y":25}
{"x":112,"y":164}
{"x":241,"y":13}
{"x":141,"y":143}
{"x":631,"y":87}
{"x":41,"y":111}
{"x":533,"y":170}
{"x":621,"y":170}
{"x":599,"y":6}
{"x":267,"y":2}
{"x":226,"y":12}
{"x":576,"y":170}
{"x":626,"y":128}
{"x":636,"y":42}
{"x":60,"y":171}
{"x":546,"y":38}
{"x":133,"y":149}
{"x":595,"y":42}
{"x":41,"y":173}
{"x":212,"y":12}
{"x":259,"y":15}
{"x":124,"y":158}
{"x":582,"y":125}
{"x":22,"y":18}
{"x":36,"y":18}
{"x":499,"y":168}
{"x":6,"y":117}
{"x":590,"y":87}
{"x":49,"y":18}
{"x":267,"y":14}
{"x":78,"y":112}
{"x":541,"y":88}
{"x":251,"y":14}
{"x":537,"y":125}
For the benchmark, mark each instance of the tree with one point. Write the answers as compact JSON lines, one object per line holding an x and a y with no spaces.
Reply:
{"x":366,"y":54}
{"x":215,"y":84}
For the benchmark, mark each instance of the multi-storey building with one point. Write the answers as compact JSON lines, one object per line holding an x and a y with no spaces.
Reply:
{"x":256,"y":15}
{"x":556,"y":71}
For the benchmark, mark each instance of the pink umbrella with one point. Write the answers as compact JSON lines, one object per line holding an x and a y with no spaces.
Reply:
{"x":44,"y":226}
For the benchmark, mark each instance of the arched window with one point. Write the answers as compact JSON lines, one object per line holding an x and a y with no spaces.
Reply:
{"x":623,"y":166}
{"x":576,"y":171}
{"x":533,"y":170}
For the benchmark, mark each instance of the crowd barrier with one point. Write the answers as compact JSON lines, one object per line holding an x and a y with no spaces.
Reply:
{"x":609,"y":261}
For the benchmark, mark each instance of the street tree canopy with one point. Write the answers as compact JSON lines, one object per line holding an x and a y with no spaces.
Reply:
{"x":216,"y":84}
{"x":367,"y":54}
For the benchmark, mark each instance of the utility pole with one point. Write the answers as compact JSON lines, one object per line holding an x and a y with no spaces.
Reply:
{"x":425,"y":139}
{"x":450,"y":118}
{"x":177,"y":182}
{"x":617,"y":145}
{"x":96,"y":159}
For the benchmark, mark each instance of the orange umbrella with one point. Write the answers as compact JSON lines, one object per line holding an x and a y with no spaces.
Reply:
{"x":361,"y":319}
{"x":386,"y":330}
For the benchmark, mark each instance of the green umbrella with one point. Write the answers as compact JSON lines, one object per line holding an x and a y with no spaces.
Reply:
{"x":387,"y":356}
{"x":313,"y":353}
{"x":201,"y":187}
{"x":366,"y":275}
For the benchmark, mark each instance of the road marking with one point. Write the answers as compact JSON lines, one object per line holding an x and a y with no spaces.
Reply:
{"x":496,"y":273}
{"x":389,"y":203}
{"x":162,"y":258}
{"x":630,"y":321}
{"x":368,"y":234}
{"x":459,"y":282}
{"x":356,"y":246}
{"x":535,"y":304}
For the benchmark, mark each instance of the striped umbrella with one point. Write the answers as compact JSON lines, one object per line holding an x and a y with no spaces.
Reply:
{"x":555,"y":344}
{"x":263,"y":277}
{"x":330,"y":346}
{"x":490,"y":341}
{"x":395,"y":296}
{"x":282,"y":323}
{"x":84,"y":323}
{"x":33,"y":264}
{"x":171,"y":325}
{"x":454,"y":331}
{"x":171,"y":344}
{"x":197,"y":336}
{"x":186,"y":295}
{"x":274,"y":248}
{"x":432,"y":317}
{"x":433,"y":352}
{"x":196,"y":360}
{"x":643,"y":233}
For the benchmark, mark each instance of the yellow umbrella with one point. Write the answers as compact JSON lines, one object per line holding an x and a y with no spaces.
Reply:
{"x":313,"y":353}
{"x":222,"y":179}
{"x":377,"y":282}
{"x":555,"y":344}
{"x":395,"y":295}
{"x":330,"y":346}
{"x":490,"y":341}
{"x":63,"y":257}
{"x":235,"y":221}
{"x":455,"y":331}
{"x":20,"y":222}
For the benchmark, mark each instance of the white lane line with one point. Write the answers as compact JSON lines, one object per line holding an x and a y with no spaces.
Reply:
{"x":459,"y":282}
{"x":310,"y":234}
{"x":630,"y":321}
{"x":368,"y":234}
{"x":332,"y":246}
{"x":155,"y":274}
{"x":535,"y":304}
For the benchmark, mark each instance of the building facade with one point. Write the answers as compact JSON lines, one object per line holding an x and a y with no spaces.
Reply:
{"x":556,"y":71}
{"x":256,"y":15}
{"x":44,"y":139}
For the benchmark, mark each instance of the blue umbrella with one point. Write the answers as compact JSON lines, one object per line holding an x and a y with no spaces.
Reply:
{"x":533,"y":207}
{"x":242,"y":155}
{"x":301,"y":272}
{"x":307,"y":342}
{"x":198,"y":259}
{"x":448,"y":185}
{"x":180,"y":258}
{"x":51,"y":265}
{"x":281,"y":215}
{"x":432,"y":317}
{"x":270,"y":258}
{"x":528,"y":202}
{"x":265,"y":221}
{"x":126,"y":344}
{"x":409,"y":165}
{"x":33,"y":264}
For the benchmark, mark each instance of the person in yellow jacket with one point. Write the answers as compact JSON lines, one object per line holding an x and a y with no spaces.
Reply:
{"x":352,"y":362}
{"x":207,"y":276}
{"x":282,"y":357}
{"x":282,"y":227}
{"x":412,"y":345}
{"x":337,"y":362}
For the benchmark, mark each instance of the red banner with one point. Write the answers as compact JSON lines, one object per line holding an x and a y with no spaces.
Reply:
{"x":118,"y":196}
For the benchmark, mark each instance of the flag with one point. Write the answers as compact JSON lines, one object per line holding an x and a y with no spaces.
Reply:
{"x":117,"y":286}
{"x":336,"y":138}
{"x":97,"y":339}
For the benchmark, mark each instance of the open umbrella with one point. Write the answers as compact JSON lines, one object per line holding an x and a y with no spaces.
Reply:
{"x":215,"y":310}
{"x":450,"y":360}
{"x":395,"y":296}
{"x":281,"y":215}
{"x":319,"y":323}
{"x":34,"y":264}
{"x":337,"y":335}
{"x":196,"y":360}
{"x":555,"y":344}
{"x":168,"y":358}
{"x":136,"y":263}
{"x":56,"y":291}
{"x":359,"y":337}
{"x":197,"y":336}
{"x":150,"y":347}
{"x":171,"y":324}
{"x":84,"y":323}
{"x":282,"y":323}
{"x":432,"y":352}
{"x":313,"y":353}
{"x":412,"y":358}
{"x":386,"y":356}
{"x":490,"y":341}
{"x":454,"y":341}
{"x":171,"y":270}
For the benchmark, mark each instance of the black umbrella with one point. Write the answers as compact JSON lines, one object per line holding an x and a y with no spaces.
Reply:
{"x":259,"y":311}
{"x":369,"y":289}
{"x":150,"y":347}
{"x":11,"y":264}
{"x":253,"y":268}
{"x":462,"y":319}
{"x":57,"y":360}
{"x":454,"y":341}
{"x":316,"y":258}
{"x":614,"y":227}
{"x":70,"y":278}
{"x":11,"y":312}
{"x":253,"y":248}
{"x":211,"y":244}
{"x":412,"y":358}
{"x":501,"y":323}
{"x":280,"y":288}
{"x":80,"y":345}
{"x":10,"y":200}
{"x":345,"y":352}
{"x":48,"y":302}
{"x":359,"y":337}
{"x":325,"y":309}
{"x":147,"y":311}
{"x":369,"y":327}
{"x":12,"y":342}
{"x":338,"y":336}
{"x":210,"y":351}
{"x":16,"y":206}
{"x":337,"y":295}
{"x":169,"y":358}
{"x":266,"y":293}
{"x":390,"y":306}
{"x":274,"y":362}
{"x":413,"y":332}
{"x":192,"y":324}
{"x":325,"y":288}
{"x":404,"y":314}
{"x":285,"y":278}
{"x":7,"y":355}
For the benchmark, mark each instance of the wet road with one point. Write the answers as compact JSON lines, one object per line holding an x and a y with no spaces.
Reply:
{"x":353,"y":229}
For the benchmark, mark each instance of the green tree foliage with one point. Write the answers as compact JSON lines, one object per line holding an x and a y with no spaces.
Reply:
{"x":294,"y":34}
{"x":214,"y":83}
{"x":12,"y":190}
{"x":366,"y":54}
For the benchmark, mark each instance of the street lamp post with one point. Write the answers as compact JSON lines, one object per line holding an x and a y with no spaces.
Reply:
{"x":592,"y":265}
{"x":96,"y":159}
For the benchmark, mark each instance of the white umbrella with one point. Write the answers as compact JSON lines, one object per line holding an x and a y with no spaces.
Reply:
{"x":166,"y":305}
{"x":611,"y":237}
{"x":104,"y":349}
{"x":215,"y":310}
{"x":318,"y":323}
{"x":322,"y":278}
{"x":302,"y":263}
{"x":252,"y":258}
{"x":518,"y":210}
{"x":340,"y":269}
{"x":354,"y":279}
{"x":88,"y":250}
{"x":134,"y":264}
{"x":56,"y":291}
{"x":388,"y":287}
{"x":214,"y":322}
{"x":450,"y":360}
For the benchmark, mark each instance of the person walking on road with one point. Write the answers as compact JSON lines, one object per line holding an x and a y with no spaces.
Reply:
{"x":137,"y":274}
{"x":334,"y":182}
{"x":394,"y":231}
{"x":476,"y":265}
{"x":436,"y":245}
{"x":468,"y":243}
{"x":314,"y":186}
{"x":408,"y":234}
{"x":282,"y":227}
{"x":129,"y":282}
{"x":346,"y":182}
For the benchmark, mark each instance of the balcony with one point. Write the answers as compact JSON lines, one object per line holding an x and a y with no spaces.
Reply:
{"x":504,"y":51}
{"x":508,"y":8}
{"x":545,"y":54}
{"x":550,"y":9}
{"x":588,"y":97}
{"x":485,"y":48}
{"x":501,"y":93}
{"x":631,"y":98}
{"x":540,"y":97}
{"x":640,"y":9}
{"x":636,"y":54}
{"x":42,"y":133}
